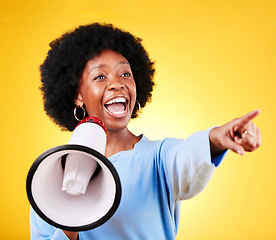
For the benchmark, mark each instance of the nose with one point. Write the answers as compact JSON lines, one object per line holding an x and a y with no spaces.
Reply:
{"x":115,"y":83}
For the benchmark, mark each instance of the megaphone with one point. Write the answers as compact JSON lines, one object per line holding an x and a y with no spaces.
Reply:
{"x":75,"y":187}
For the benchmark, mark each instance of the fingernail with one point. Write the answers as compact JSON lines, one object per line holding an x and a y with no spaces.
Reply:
{"x":240,"y":152}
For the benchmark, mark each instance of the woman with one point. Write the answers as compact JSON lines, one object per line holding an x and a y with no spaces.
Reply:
{"x":99,"y":70}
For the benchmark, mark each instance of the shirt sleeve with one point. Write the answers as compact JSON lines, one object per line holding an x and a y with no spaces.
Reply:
{"x":187,"y":164}
{"x":217,"y":160}
{"x":40,"y":230}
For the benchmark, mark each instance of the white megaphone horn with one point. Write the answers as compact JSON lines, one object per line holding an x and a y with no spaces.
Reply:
{"x":75,"y":187}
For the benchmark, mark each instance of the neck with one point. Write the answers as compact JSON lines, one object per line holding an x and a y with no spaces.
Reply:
{"x":119,"y":141}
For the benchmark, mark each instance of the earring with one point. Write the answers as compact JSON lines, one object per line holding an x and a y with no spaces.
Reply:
{"x":139,"y":106}
{"x":75,"y":113}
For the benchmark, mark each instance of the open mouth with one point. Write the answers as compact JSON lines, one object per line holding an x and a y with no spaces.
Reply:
{"x":117,"y":106}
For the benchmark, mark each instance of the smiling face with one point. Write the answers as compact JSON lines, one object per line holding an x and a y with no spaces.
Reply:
{"x":108,"y":90}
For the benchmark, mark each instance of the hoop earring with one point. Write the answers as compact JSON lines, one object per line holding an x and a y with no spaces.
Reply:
{"x":75,"y":113}
{"x":139,"y":106}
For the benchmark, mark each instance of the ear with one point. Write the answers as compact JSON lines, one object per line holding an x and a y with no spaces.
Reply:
{"x":79,"y":100}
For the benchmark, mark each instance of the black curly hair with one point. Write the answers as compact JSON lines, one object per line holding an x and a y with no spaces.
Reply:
{"x":67,"y":57}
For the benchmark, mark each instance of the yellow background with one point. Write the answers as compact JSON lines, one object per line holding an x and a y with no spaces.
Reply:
{"x":215,"y":61}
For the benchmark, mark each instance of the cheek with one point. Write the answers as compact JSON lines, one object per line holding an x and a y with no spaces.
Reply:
{"x":132,"y":88}
{"x":133,"y":93}
{"x":92,"y":98}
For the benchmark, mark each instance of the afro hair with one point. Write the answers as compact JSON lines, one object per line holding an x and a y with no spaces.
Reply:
{"x":66,"y":60}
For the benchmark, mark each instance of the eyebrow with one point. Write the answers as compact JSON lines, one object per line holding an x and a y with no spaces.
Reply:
{"x":104,"y":65}
{"x":98,"y":66}
{"x":123,"y":63}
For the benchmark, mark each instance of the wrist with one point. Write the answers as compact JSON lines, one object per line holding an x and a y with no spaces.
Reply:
{"x":216,"y":147}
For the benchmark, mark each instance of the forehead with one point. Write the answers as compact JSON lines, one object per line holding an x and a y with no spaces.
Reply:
{"x":107,"y":57}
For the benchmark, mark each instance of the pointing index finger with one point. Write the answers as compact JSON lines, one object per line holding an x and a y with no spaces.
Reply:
{"x":242,"y":121}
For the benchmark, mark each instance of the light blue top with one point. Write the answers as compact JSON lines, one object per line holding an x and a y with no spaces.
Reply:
{"x":155,"y":177}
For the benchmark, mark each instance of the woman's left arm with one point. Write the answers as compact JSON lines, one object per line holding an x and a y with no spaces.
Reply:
{"x":239,"y":135}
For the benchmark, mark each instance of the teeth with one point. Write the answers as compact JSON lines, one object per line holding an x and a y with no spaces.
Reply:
{"x":117,"y":100}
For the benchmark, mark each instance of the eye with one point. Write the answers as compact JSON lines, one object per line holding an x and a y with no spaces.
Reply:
{"x":100,"y":77}
{"x":126,"y":74}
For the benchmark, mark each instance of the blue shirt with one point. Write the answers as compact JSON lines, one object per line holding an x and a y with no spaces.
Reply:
{"x":155,"y":177}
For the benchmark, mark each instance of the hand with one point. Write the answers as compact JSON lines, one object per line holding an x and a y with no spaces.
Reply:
{"x":239,"y":135}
